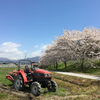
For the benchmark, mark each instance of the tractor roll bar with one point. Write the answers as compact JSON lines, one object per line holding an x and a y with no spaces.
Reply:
{"x":23,"y":60}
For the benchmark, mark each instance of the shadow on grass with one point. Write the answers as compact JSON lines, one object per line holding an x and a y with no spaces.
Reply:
{"x":25,"y":90}
{"x":11,"y":84}
{"x":77,"y":84}
{"x":44,"y":92}
{"x":96,"y":83}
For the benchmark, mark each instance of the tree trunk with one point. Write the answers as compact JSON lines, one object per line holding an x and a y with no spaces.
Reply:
{"x":82,"y":64}
{"x":65,"y":65}
{"x":50,"y":66}
{"x":56,"y":65}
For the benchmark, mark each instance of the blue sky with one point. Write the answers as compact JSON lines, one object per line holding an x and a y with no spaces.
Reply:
{"x":27,"y":26}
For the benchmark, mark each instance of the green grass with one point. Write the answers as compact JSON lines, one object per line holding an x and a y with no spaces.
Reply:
{"x":8,"y":68}
{"x":3,"y":79}
{"x":76,"y":85}
{"x":8,"y":96}
{"x":60,"y":92}
{"x":67,"y":86}
{"x":76,"y":67}
{"x":3,"y":95}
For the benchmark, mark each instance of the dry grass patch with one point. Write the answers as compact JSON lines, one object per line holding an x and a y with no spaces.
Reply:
{"x":75,"y":80}
{"x":69,"y":88}
{"x":76,"y":85}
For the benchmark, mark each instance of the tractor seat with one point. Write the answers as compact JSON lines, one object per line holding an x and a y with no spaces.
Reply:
{"x":27,"y":70}
{"x":28,"y":73}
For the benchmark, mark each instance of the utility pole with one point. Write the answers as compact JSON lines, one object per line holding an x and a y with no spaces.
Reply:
{"x":25,"y":57}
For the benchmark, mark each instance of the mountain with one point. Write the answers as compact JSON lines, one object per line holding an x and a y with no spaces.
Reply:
{"x":4,"y":59}
{"x":33,"y":59}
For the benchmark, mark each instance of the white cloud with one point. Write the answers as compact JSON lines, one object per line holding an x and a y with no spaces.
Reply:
{"x":36,"y":46}
{"x":40,"y":51}
{"x":25,"y":51}
{"x":9,"y":50}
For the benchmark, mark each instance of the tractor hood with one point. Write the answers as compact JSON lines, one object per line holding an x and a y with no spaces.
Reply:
{"x":42,"y":71}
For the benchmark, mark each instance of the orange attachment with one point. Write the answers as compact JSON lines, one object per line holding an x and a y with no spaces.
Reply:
{"x":9,"y":77}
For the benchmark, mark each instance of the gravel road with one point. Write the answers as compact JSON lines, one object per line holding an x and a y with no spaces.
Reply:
{"x":78,"y":75}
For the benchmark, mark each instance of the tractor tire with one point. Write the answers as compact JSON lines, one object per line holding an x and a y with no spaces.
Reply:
{"x":18,"y":83}
{"x":36,"y":89}
{"x":53,"y":87}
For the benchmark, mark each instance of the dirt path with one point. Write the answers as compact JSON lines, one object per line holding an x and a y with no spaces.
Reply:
{"x":12,"y":92}
{"x":22,"y":95}
{"x":78,"y":75}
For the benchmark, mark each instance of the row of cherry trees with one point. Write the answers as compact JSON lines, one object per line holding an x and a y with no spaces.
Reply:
{"x":73,"y":45}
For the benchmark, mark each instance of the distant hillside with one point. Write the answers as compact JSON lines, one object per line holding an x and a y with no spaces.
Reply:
{"x":33,"y":59}
{"x":4,"y":59}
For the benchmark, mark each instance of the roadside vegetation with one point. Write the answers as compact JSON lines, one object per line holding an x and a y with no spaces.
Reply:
{"x":74,"y":51}
{"x":69,"y":87}
{"x":76,"y":67}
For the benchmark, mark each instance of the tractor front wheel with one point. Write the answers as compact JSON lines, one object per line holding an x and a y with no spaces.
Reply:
{"x":52,"y":87}
{"x":18,"y":83}
{"x":36,"y":88}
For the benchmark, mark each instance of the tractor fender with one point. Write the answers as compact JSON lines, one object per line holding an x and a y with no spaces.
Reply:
{"x":24,"y":76}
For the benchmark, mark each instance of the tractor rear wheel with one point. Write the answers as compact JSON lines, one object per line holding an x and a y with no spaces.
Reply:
{"x":18,"y":83}
{"x":36,"y":88}
{"x":52,"y":87}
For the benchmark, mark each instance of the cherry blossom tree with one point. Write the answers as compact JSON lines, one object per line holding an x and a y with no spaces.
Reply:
{"x":73,"y":45}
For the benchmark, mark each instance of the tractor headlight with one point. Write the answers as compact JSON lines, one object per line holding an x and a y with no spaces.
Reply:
{"x":48,"y":75}
{"x":45,"y":74}
{"x":39,"y":74}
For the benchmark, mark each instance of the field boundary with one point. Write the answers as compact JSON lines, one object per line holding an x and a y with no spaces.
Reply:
{"x":77,"y":75}
{"x":23,"y":95}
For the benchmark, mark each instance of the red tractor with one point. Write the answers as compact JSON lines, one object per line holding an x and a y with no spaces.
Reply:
{"x":35,"y":78}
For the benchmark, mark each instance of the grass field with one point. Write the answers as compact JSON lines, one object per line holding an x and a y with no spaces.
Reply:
{"x":76,"y":67}
{"x":69,"y":87}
